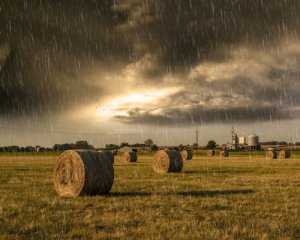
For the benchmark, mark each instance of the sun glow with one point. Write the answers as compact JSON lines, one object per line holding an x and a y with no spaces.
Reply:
{"x":122,"y":105}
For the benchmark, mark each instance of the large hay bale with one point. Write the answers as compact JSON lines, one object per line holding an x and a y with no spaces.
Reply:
{"x":187,"y":154}
{"x":224,"y":153}
{"x":271,"y":154}
{"x":83,"y":173}
{"x":167,"y":161}
{"x":110,"y":155}
{"x":129,"y":157}
{"x":211,"y":153}
{"x":283,"y":154}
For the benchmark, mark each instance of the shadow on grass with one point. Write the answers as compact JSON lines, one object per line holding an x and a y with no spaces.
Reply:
{"x":216,"y":193}
{"x":229,"y":171}
{"x":128,"y":194}
{"x":22,"y":169}
{"x":191,"y":193}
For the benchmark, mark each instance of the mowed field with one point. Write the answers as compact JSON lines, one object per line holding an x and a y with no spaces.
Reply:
{"x":240,"y":197}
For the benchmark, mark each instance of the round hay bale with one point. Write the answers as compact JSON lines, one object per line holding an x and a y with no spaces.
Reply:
{"x":79,"y":173}
{"x":190,"y":155}
{"x":129,"y":157}
{"x":284,"y":154}
{"x":167,"y":161}
{"x":211,"y":153}
{"x":187,"y":154}
{"x":224,"y":153}
{"x":110,"y":155}
{"x":271,"y":154}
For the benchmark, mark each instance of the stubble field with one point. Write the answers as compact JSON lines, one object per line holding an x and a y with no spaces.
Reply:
{"x":241,"y":197}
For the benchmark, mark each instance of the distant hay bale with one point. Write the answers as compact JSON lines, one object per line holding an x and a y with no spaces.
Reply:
{"x":224,"y":153}
{"x":115,"y":152}
{"x":187,"y":154}
{"x":283,"y":154}
{"x":211,"y":153}
{"x":271,"y":154}
{"x":167,"y":161}
{"x":129,"y":157}
{"x":79,"y":173}
{"x":190,"y":155}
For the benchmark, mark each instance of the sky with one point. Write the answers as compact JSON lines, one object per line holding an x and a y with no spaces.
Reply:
{"x":115,"y":71}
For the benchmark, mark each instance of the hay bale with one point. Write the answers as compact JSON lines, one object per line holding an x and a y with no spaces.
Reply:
{"x":190,"y":155}
{"x":271,"y":154}
{"x":187,"y":154}
{"x":167,"y":161}
{"x":79,"y":173}
{"x":129,"y":157}
{"x":110,"y":155}
{"x":284,"y":154}
{"x":224,"y":153}
{"x":211,"y":153}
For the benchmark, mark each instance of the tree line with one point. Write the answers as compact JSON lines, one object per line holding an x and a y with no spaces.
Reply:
{"x":147,"y":143}
{"x":77,"y":145}
{"x":56,"y":147}
{"x":282,"y":143}
{"x":85,"y":145}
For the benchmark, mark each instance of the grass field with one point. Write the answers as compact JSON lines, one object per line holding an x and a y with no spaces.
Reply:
{"x":242,"y":197}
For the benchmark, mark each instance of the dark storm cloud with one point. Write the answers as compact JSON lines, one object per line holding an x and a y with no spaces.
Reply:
{"x":184,"y":32}
{"x":198,"y":115}
{"x":53,"y":44}
{"x":52,"y":47}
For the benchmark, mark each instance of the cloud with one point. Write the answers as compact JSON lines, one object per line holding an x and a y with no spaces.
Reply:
{"x":185,"y":33}
{"x":225,"y":56}
{"x":5,"y":52}
{"x":251,"y":86}
{"x":54,"y":50}
{"x":199,"y":115}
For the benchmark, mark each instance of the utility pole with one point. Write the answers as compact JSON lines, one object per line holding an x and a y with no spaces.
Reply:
{"x":197,"y":135}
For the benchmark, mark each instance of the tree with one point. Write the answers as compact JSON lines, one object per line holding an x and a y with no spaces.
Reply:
{"x":11,"y":149}
{"x":111,"y":146}
{"x":211,"y":144}
{"x":195,"y":146}
{"x":180,"y":147}
{"x":29,"y":149}
{"x":154,"y":147}
{"x":71,"y":146}
{"x":56,"y":147}
{"x":123,"y":144}
{"x":148,"y":142}
{"x":91,"y":147}
{"x":68,"y":146}
{"x":81,"y":145}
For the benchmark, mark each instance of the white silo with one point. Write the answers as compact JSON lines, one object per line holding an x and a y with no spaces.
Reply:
{"x":242,"y":140}
{"x":253,"y":141}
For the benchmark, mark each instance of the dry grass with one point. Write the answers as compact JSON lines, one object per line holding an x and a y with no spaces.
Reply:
{"x":213,"y":198}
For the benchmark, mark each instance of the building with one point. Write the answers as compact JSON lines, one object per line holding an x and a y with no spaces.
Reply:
{"x":242,"y":141}
{"x":125,"y":149}
{"x":253,"y":142}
